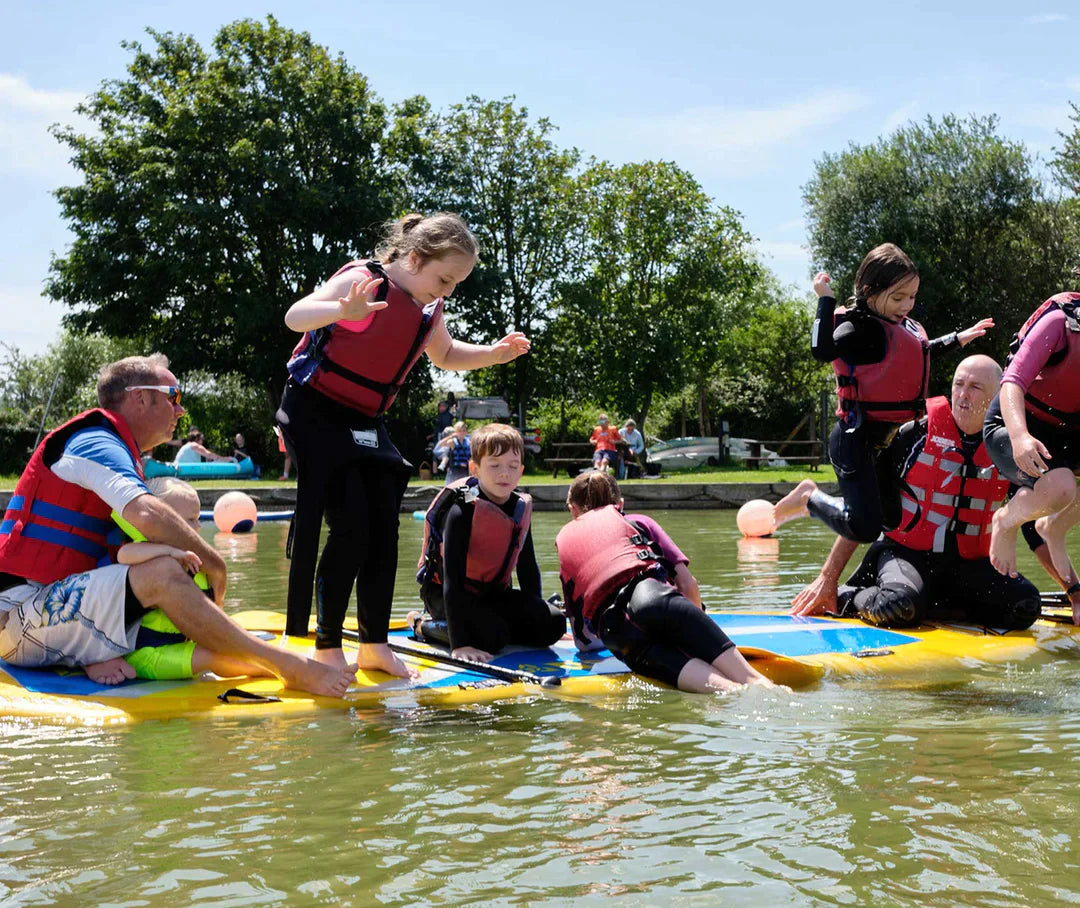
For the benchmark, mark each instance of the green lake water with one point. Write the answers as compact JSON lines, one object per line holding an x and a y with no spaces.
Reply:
{"x":963,"y":789}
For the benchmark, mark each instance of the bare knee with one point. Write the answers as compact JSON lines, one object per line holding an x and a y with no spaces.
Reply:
{"x":1056,"y":489}
{"x":154,"y":582}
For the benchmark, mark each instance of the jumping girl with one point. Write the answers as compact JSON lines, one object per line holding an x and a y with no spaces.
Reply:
{"x":881,"y":358}
{"x":623,"y":591}
{"x":364,"y":329}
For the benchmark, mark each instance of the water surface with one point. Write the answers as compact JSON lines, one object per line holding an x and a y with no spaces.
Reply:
{"x":957,"y":790}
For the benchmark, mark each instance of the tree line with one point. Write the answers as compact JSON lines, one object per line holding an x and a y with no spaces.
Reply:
{"x":222,"y":184}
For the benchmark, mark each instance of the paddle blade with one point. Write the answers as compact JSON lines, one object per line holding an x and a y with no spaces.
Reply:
{"x":793,"y":673}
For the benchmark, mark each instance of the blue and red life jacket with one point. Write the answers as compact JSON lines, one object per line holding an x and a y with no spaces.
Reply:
{"x":1054,"y":396}
{"x":364,"y":364}
{"x":495,"y":542}
{"x":599,"y":553}
{"x":892,"y":389}
{"x":949,"y":491}
{"x":53,"y":528}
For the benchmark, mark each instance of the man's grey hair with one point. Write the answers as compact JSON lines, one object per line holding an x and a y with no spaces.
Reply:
{"x":133,"y":370}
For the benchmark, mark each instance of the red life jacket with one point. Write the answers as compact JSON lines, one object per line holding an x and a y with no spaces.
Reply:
{"x":495,"y":542}
{"x":952,"y":494}
{"x":53,"y":528}
{"x":894,"y":388}
{"x":599,"y":553}
{"x":364,"y":364}
{"x":1054,"y":395}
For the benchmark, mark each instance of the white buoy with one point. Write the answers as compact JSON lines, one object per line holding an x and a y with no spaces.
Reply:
{"x":755,"y":518}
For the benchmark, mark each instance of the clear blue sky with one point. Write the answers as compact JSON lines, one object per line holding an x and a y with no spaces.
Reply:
{"x":744,"y":96}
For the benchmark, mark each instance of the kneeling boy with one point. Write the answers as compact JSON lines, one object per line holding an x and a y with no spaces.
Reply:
{"x":475,"y":533}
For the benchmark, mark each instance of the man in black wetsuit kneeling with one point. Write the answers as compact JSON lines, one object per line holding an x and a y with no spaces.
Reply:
{"x":936,"y":563}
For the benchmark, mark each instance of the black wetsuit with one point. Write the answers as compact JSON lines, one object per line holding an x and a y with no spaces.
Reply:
{"x":349,"y":470}
{"x":869,"y":493}
{"x":896,"y":586}
{"x":493,"y":619}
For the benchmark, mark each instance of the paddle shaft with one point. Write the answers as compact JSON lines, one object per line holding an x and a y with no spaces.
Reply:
{"x":473,"y":665}
{"x":1059,"y":600}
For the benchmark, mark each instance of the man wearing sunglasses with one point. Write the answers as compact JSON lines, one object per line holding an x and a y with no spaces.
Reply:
{"x":62,"y":599}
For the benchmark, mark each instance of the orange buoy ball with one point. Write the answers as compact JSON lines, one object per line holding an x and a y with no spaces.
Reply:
{"x":755,"y":518}
{"x":235,"y":512}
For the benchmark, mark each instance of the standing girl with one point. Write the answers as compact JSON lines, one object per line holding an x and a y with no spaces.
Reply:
{"x":881,"y":358}
{"x":624,"y":590}
{"x":364,"y":329}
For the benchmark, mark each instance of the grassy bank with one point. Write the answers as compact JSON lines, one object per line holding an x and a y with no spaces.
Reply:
{"x":733,"y":474}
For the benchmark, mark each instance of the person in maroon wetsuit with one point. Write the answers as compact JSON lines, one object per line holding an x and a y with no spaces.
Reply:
{"x":1032,"y":433}
{"x":622,"y":591}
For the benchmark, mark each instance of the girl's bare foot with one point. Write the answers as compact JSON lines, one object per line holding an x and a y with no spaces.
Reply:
{"x":379,"y":657}
{"x":1003,"y":545}
{"x":111,"y":671}
{"x":793,"y":504}
{"x":1053,"y":532}
{"x":334,"y":658}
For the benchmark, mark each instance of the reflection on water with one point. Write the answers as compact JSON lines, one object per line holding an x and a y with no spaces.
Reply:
{"x":960,"y":790}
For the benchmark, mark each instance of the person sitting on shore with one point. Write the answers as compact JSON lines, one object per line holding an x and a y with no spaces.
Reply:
{"x":455,"y":453}
{"x":605,"y":440}
{"x":635,"y":447}
{"x":194,"y":451}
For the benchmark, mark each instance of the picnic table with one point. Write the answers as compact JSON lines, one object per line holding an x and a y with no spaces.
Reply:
{"x":814,"y":456}
{"x":575,"y":456}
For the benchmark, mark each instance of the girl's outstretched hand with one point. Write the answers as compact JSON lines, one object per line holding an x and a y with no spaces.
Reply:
{"x":822,"y":284}
{"x":977,"y":330}
{"x":511,"y":347}
{"x":360,"y":302}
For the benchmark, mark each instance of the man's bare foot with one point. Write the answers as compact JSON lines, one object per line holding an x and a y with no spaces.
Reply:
{"x":380,"y":657}
{"x":318,"y":678}
{"x":112,"y":671}
{"x":413,"y":620}
{"x":1053,"y":532}
{"x":335,"y":658}
{"x":793,"y":504}
{"x":1003,"y":546}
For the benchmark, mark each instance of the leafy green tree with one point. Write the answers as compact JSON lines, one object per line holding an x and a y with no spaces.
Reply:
{"x":38,"y":393}
{"x":218,"y":188}
{"x":61,"y":381}
{"x":1066,"y":163}
{"x":504,"y":174}
{"x":764,"y":380}
{"x":664,"y":270}
{"x":965,"y":203}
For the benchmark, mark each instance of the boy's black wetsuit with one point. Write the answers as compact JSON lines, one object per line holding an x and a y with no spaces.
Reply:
{"x":896,"y":586}
{"x":869,"y":494}
{"x":497,"y":618}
